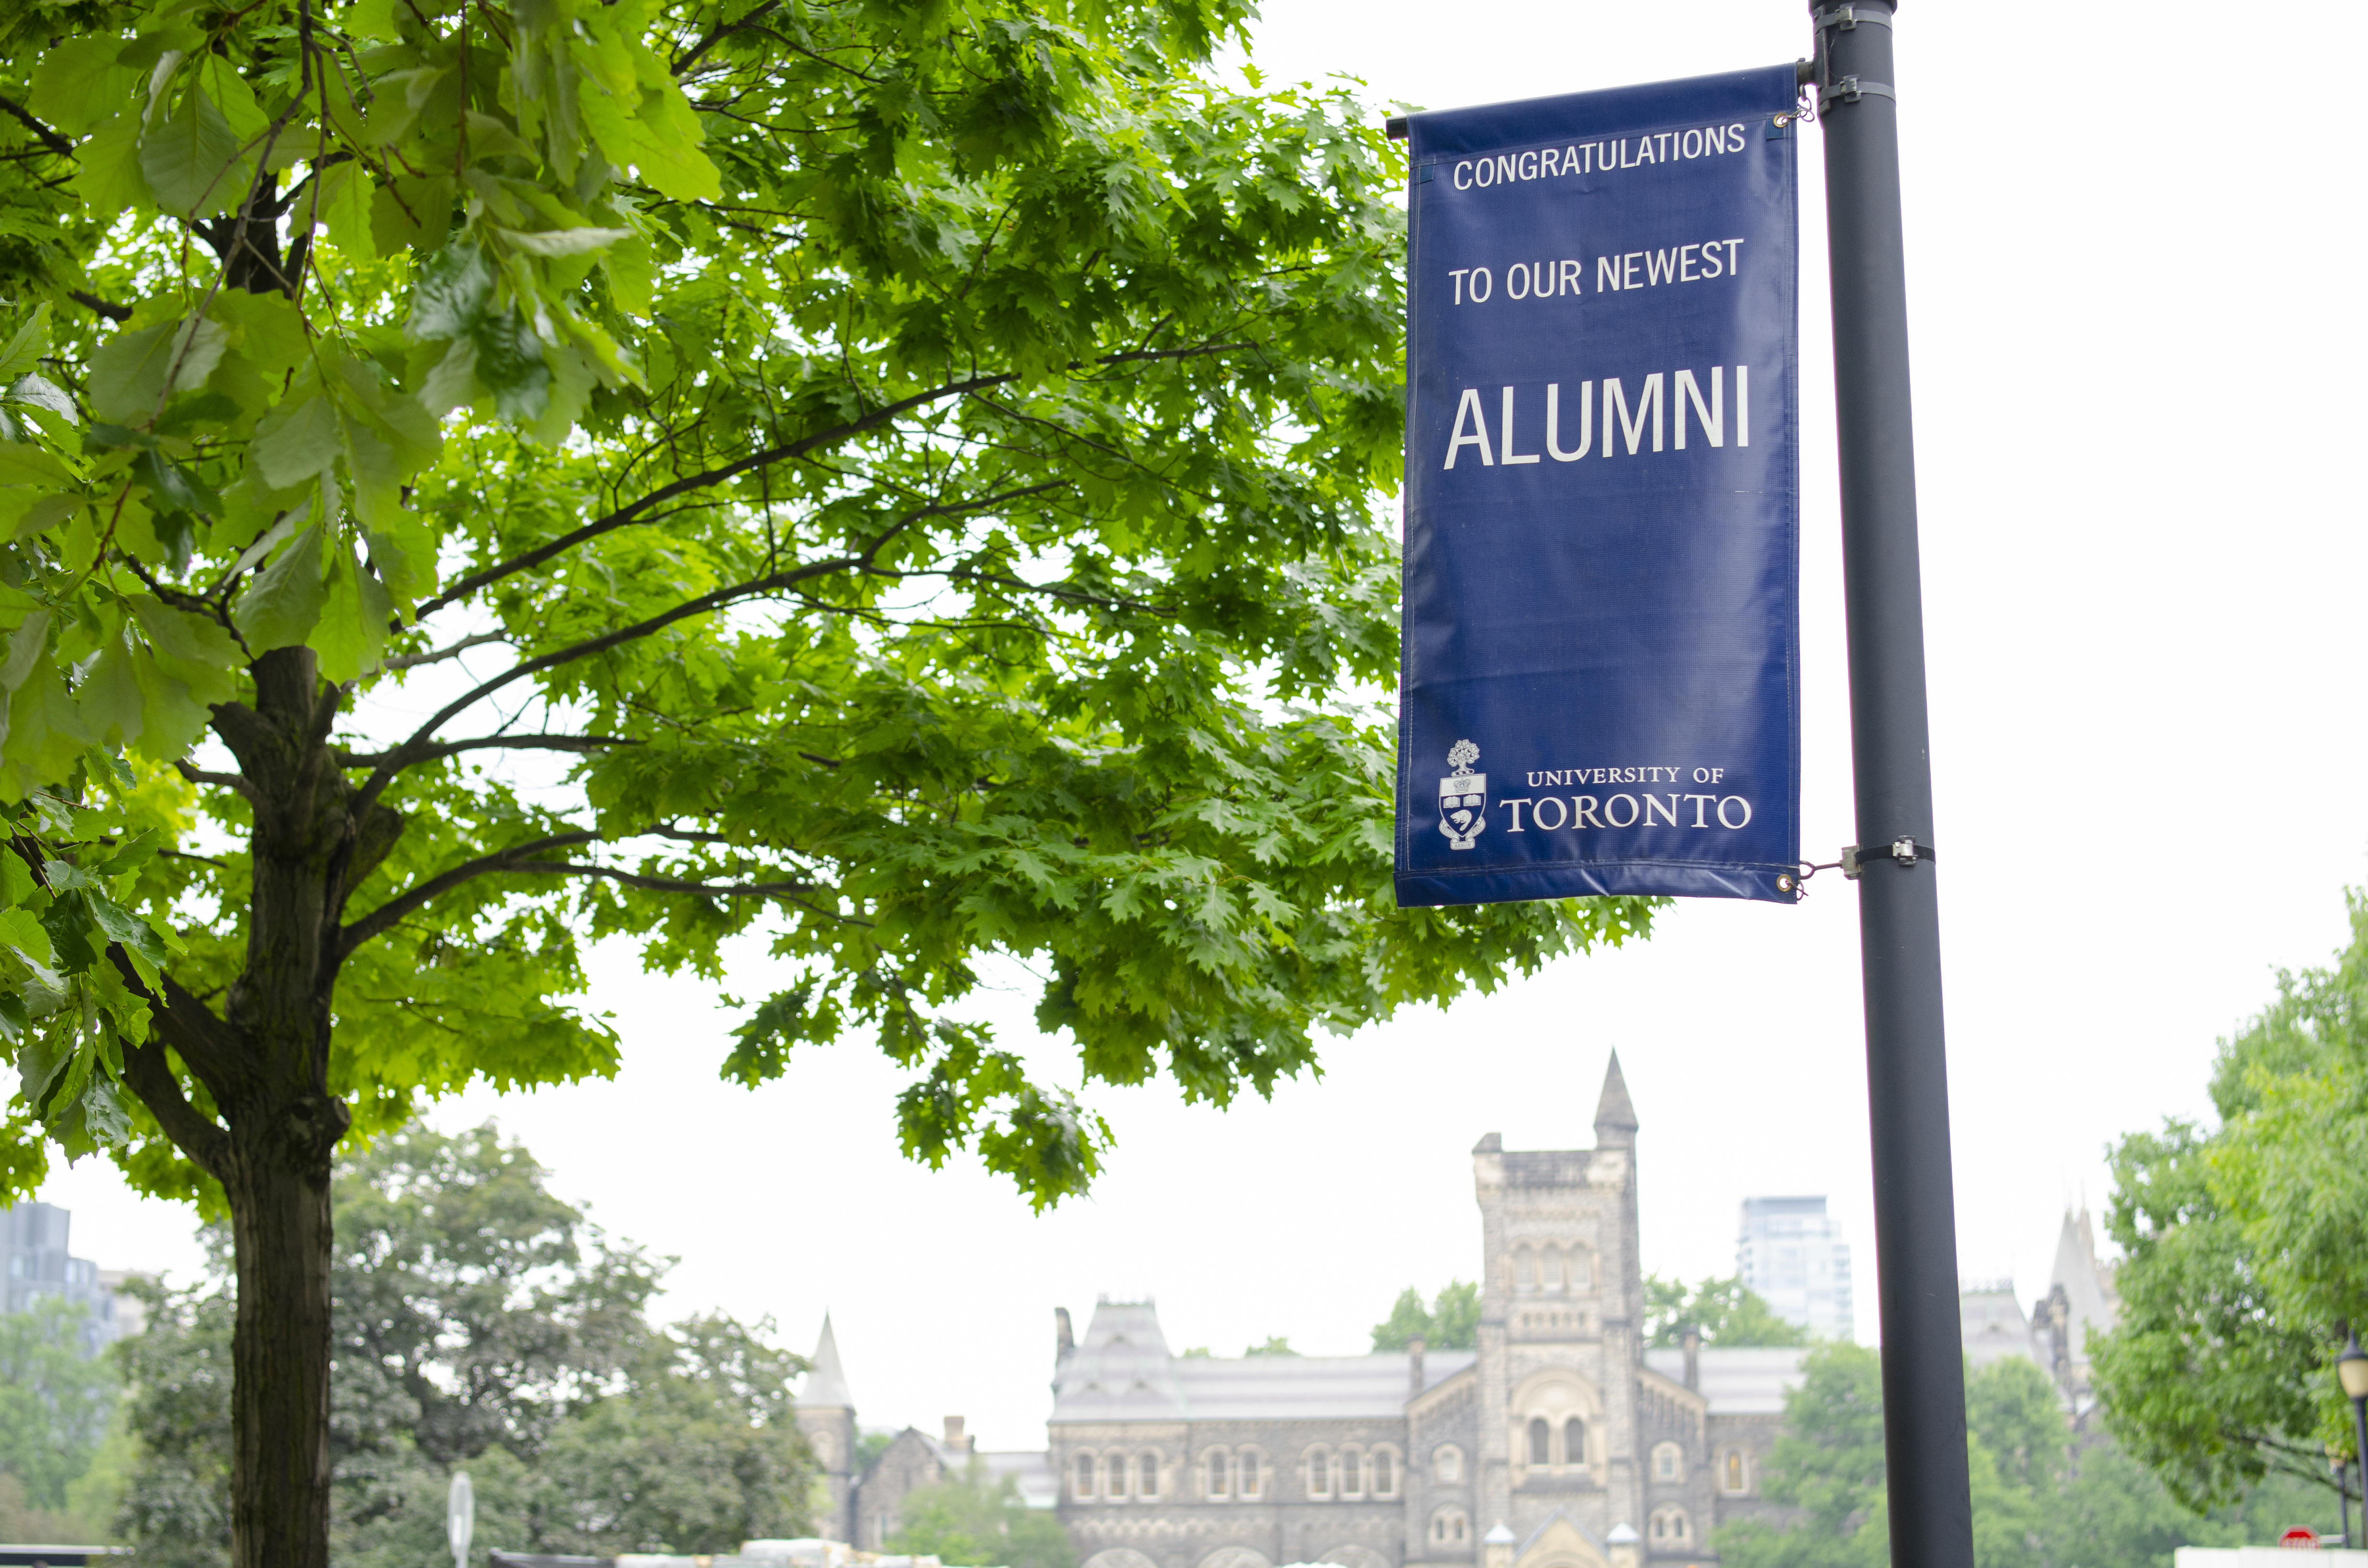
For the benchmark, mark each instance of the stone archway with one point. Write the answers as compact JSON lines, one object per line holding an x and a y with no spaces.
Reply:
{"x":1236,"y":1557}
{"x":1356,"y":1556}
{"x":1118,"y":1557}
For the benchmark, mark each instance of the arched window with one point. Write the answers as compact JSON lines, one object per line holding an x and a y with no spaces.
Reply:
{"x":1250,"y":1484}
{"x":1352,"y":1474}
{"x":1084,"y":1477}
{"x":1541,"y":1441}
{"x":1525,"y":1269}
{"x":1216,"y":1462}
{"x":1386,"y":1474}
{"x":1668,"y":1462}
{"x":1115,"y":1478}
{"x":1670,"y":1526}
{"x":1446,"y":1527}
{"x":1550,"y":1268}
{"x":1319,"y":1474}
{"x":1574,"y":1441}
{"x":1147,"y":1479}
{"x":1733,"y":1477}
{"x":1582,"y":1271}
{"x":1447,"y":1462}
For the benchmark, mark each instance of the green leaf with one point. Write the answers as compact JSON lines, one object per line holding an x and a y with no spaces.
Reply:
{"x":280,"y":607}
{"x":21,"y":464}
{"x":128,"y":373}
{"x":295,"y":442}
{"x":346,"y":192}
{"x":561,"y":242}
{"x":24,"y":349}
{"x":193,"y":160}
{"x":109,"y":180}
{"x":450,"y":292}
{"x":78,"y":83}
{"x":510,"y":366}
{"x":109,"y":695}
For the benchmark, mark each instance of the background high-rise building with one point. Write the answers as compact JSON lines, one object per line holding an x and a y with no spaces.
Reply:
{"x":1794,"y":1255}
{"x":33,"y":1239}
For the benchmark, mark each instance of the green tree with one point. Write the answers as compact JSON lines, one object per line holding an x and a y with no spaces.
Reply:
{"x":1724,"y":1311}
{"x":1276,"y":1346}
{"x":898,"y":482}
{"x":2239,"y":1250}
{"x":1451,"y":1323}
{"x":972,"y":1520}
{"x":56,"y":1403}
{"x":2039,"y":1499}
{"x":481,"y":1323}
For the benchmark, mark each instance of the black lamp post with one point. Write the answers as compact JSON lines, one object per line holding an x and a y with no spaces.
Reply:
{"x":2352,"y":1367}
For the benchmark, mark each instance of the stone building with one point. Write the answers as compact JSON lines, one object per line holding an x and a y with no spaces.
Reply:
{"x":1561,"y":1441}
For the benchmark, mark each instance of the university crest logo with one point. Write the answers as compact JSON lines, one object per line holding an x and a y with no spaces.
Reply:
{"x":1462,"y":798}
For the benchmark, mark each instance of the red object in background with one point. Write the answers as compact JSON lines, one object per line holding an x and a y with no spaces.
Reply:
{"x":2300,"y":1538}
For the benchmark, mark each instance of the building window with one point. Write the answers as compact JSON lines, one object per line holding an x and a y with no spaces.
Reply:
{"x":1085,"y":1478}
{"x":1574,"y":1441}
{"x":1352,"y":1475}
{"x":1319,"y":1474}
{"x":1525,"y":1266}
{"x":1448,"y":1526}
{"x":1670,"y":1527}
{"x":1550,"y":1268}
{"x":1447,"y":1462}
{"x":1582,"y":1271}
{"x":1668,"y":1462}
{"x":1249,"y":1474}
{"x":1217,"y":1475}
{"x":1733,"y":1477}
{"x":1386,"y":1474}
{"x":1148,"y":1487}
{"x":1541,"y":1440}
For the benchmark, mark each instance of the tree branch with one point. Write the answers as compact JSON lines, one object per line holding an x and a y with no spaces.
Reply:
{"x":107,"y":308}
{"x":630,"y":513}
{"x":386,"y":916}
{"x":219,"y":780}
{"x":662,"y":884}
{"x":149,"y":1075}
{"x":490,"y":743}
{"x":413,"y":661}
{"x":723,"y":30}
{"x":799,"y":447}
{"x":49,"y":138}
{"x":207,"y":1045}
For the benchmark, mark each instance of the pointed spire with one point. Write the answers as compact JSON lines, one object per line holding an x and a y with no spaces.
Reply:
{"x":825,"y":1385}
{"x":1616,"y":1116}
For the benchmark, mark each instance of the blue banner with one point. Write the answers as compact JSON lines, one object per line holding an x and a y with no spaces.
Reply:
{"x":1601,"y":651}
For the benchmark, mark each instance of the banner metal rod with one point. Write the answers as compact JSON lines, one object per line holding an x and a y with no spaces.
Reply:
{"x":1899,"y":926}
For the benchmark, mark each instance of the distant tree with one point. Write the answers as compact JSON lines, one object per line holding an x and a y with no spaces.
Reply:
{"x":699,"y":1455}
{"x":1278,"y":1346}
{"x":969,"y":1520}
{"x":480,"y":1321}
{"x":869,"y":1446}
{"x":55,"y":1402}
{"x":2038,"y":1502}
{"x":2241,"y":1256}
{"x":1195,"y":1353}
{"x":1451,"y":1323}
{"x":1725,"y":1311}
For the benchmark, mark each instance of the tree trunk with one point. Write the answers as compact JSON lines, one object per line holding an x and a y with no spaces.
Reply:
{"x":278,"y":1182}
{"x":283,"y":1123}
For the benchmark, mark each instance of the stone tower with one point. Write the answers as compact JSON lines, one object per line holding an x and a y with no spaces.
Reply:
{"x":1561,"y":1345}
{"x":825,"y":1412}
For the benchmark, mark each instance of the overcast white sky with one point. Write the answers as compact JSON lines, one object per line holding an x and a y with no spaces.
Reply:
{"x":2134,"y":276}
